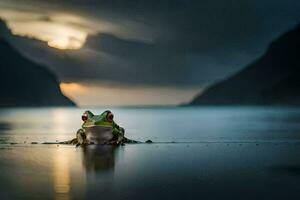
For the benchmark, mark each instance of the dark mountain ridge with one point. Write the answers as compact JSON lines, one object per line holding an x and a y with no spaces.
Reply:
{"x":271,"y":79}
{"x":25,"y":83}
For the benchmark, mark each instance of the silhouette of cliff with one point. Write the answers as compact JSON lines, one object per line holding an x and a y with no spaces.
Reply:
{"x":272,"y":79}
{"x":25,"y":83}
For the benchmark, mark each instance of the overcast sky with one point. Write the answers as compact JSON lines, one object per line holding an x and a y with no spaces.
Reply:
{"x":158,"y":48}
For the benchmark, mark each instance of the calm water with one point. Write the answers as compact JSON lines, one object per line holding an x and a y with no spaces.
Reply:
{"x":205,"y":152}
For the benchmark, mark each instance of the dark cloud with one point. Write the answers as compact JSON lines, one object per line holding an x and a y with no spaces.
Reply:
{"x":108,"y":58}
{"x":138,"y":62}
{"x":193,"y":41}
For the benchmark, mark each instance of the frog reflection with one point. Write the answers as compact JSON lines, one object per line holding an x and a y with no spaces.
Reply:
{"x":99,"y":158}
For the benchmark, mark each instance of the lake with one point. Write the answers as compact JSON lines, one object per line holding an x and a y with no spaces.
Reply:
{"x":197,"y":153}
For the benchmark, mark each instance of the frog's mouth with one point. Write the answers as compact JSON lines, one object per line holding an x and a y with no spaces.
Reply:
{"x":98,"y":134}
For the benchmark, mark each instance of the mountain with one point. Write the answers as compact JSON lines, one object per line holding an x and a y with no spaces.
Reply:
{"x":271,"y":79}
{"x":25,"y":83}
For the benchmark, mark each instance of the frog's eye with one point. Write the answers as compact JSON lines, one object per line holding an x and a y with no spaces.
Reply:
{"x":84,"y":117}
{"x":110,"y":117}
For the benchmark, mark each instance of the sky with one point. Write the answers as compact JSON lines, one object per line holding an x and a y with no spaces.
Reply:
{"x":135,"y":52}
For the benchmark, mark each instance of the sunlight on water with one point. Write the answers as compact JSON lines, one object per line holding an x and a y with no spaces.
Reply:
{"x":61,"y":166}
{"x":67,"y":163}
{"x":60,"y":119}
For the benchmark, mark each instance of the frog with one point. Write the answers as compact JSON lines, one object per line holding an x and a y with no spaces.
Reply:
{"x":100,"y":129}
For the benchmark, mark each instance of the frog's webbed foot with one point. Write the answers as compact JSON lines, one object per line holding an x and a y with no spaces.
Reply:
{"x":129,"y":141}
{"x":73,"y":141}
{"x":114,"y":141}
{"x":122,"y":141}
{"x":111,"y":142}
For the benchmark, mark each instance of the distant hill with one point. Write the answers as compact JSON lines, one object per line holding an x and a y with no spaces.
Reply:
{"x":25,"y":83}
{"x":272,"y":79}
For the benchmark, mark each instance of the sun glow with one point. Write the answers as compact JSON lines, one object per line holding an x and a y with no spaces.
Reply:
{"x":103,"y":94}
{"x":56,"y":35}
{"x":66,"y":38}
{"x":72,"y":87}
{"x":65,"y":43}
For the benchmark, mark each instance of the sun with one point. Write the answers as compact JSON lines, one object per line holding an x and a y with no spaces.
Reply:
{"x":64,"y":37}
{"x":66,"y":42}
{"x":55,"y":34}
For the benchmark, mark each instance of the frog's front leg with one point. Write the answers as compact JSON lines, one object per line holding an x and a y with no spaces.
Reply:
{"x":81,"y":137}
{"x":118,"y":136}
{"x":121,"y":136}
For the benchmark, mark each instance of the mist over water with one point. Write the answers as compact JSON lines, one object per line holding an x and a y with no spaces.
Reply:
{"x":198,"y":152}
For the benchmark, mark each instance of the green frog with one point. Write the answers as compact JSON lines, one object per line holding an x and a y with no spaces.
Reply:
{"x":100,"y":129}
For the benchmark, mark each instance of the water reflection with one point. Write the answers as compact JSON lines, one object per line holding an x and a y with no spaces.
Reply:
{"x":99,"y":158}
{"x":99,"y":163}
{"x":61,"y":176}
